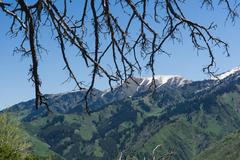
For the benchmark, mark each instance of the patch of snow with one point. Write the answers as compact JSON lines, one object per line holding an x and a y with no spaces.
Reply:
{"x":105,"y":92}
{"x":226,"y":74}
{"x":145,"y":82}
{"x":163,"y":79}
{"x":201,"y":90}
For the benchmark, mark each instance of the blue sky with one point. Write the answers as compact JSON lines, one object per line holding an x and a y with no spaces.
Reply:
{"x":184,"y":60}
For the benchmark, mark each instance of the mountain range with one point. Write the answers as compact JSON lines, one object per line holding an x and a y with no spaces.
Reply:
{"x":190,"y":119}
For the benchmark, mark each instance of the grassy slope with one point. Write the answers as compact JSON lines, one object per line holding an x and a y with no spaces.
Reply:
{"x":138,"y":125}
{"x":186,"y":134}
{"x":189,"y":134}
{"x":38,"y":147}
{"x":227,"y":149}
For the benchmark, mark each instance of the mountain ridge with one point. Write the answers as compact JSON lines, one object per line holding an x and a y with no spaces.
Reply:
{"x":189,"y":118}
{"x":228,"y":73}
{"x":148,"y":80}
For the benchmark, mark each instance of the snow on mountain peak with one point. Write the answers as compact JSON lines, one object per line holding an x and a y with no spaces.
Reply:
{"x":228,"y":73}
{"x":163,"y":79}
{"x":142,"y":84}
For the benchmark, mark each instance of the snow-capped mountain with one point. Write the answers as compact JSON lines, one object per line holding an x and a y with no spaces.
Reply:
{"x":121,"y":121}
{"x":160,"y":80}
{"x":227,"y":74}
{"x":139,"y":85}
{"x":219,"y":81}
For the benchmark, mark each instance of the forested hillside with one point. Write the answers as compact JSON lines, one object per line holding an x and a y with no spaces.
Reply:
{"x":183,"y":119}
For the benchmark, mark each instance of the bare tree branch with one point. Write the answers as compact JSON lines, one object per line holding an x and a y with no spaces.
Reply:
{"x":133,"y":30}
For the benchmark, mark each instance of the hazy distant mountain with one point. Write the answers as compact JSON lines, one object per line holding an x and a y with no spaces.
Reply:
{"x":183,"y":116}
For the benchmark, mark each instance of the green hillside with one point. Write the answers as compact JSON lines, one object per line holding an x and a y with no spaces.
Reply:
{"x":182,"y":120}
{"x":227,"y":149}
